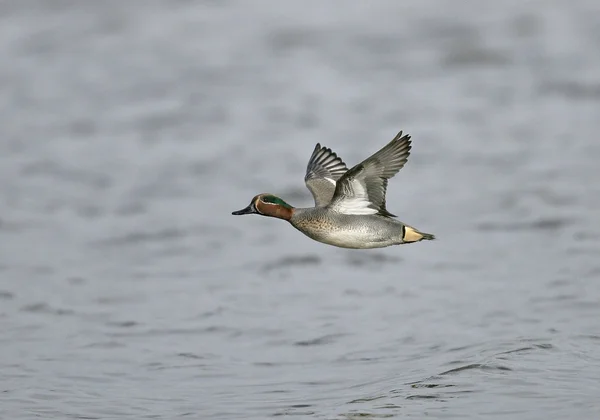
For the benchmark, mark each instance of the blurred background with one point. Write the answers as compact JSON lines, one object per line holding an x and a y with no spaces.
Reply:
{"x":129,"y":131}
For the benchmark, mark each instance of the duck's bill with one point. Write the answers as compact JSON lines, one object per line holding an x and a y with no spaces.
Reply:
{"x":247,"y":210}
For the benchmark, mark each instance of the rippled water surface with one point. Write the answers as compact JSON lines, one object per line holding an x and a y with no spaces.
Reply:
{"x":130,"y":131}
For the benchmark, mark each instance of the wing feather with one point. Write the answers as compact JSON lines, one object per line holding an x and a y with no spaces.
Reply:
{"x":362,"y":189}
{"x":322,"y":172}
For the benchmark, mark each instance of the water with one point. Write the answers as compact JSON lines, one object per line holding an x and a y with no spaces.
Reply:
{"x":130,"y":131}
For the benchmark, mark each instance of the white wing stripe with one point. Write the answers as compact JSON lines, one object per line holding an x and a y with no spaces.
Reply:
{"x":358,"y":204}
{"x":355,"y":206}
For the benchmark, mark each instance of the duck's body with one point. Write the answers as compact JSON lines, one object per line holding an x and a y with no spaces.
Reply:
{"x":349,"y":207}
{"x":353,"y":231}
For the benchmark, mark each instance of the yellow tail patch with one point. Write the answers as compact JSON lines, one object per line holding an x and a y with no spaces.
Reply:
{"x":413,"y":235}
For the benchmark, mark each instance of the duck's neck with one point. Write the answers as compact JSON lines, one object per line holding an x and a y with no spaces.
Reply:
{"x":280,"y":212}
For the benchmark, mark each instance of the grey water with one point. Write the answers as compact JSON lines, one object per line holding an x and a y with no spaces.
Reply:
{"x":129,"y":131}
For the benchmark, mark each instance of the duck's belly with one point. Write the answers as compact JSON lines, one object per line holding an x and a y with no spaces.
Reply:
{"x":349,"y":240}
{"x":356,"y":237}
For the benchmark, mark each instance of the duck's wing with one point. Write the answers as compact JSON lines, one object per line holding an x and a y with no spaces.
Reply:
{"x":322,"y":172}
{"x":361,"y":190}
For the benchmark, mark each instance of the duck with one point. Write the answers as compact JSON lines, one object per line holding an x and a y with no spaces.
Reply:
{"x":350,"y":204}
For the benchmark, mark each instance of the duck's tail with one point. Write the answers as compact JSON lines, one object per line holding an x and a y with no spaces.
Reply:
{"x":410,"y":234}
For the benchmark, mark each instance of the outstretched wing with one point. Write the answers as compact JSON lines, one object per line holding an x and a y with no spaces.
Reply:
{"x":361,"y":190}
{"x":323,"y":170}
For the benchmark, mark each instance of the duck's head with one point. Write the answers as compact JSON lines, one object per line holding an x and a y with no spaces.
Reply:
{"x":267,"y":205}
